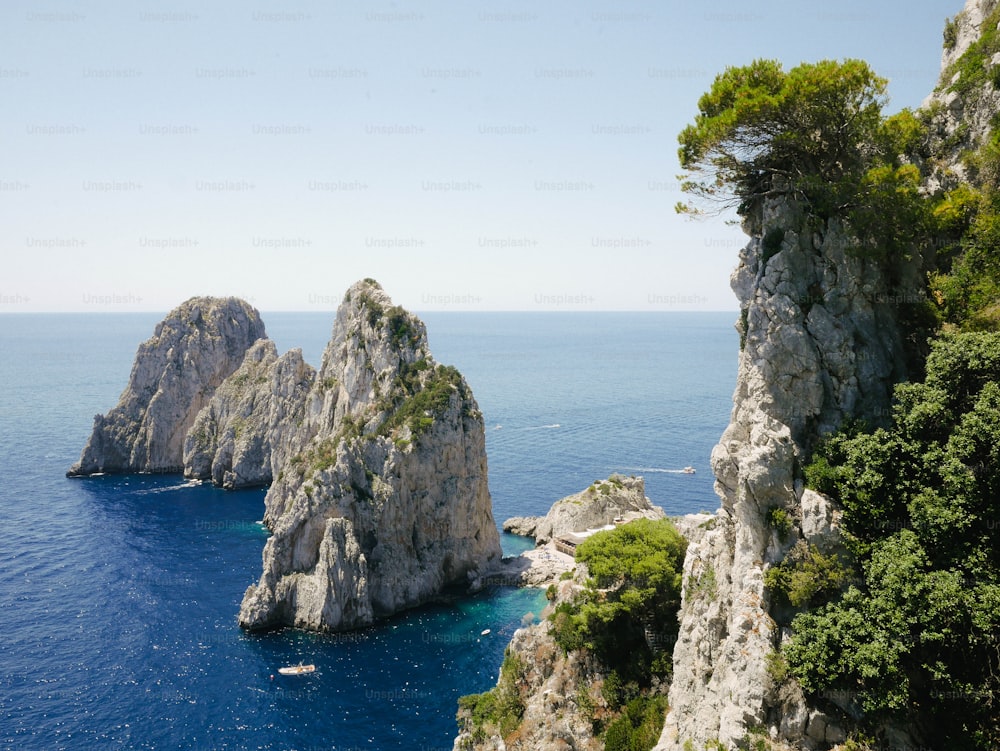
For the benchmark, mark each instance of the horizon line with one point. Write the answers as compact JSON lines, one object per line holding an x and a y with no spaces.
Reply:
{"x":412,"y":310}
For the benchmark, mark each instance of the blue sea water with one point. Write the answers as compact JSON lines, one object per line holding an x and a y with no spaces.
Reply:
{"x":118,"y":595}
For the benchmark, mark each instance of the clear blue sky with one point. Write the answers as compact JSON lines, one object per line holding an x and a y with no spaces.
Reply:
{"x":476,"y":155}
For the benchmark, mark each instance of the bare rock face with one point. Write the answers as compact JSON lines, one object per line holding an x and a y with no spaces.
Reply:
{"x":386,"y":504}
{"x":251,"y":426}
{"x":602,"y":503}
{"x":821,"y":343}
{"x":197,"y":346}
{"x":961,"y":111}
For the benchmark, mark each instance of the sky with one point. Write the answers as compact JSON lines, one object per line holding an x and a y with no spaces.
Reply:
{"x":471,"y":156}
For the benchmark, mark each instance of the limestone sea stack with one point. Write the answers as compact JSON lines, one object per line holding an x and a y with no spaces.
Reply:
{"x":386,"y":506}
{"x":253,"y":423}
{"x":175,"y":373}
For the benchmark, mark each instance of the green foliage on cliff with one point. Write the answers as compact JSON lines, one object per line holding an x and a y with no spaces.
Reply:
{"x":420,"y":402}
{"x":967,"y":282}
{"x":635,"y":587}
{"x":918,"y":637}
{"x":974,"y":67}
{"x":807,"y":577}
{"x":499,"y":710}
{"x":639,"y":726}
{"x":762,"y":130}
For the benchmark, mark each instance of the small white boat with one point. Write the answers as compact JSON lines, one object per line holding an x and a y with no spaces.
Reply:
{"x":484,"y":632}
{"x":299,"y":669}
{"x":688,"y":470}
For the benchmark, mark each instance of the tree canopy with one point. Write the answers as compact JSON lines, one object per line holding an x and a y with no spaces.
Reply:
{"x":761,"y":130}
{"x":635,"y":585}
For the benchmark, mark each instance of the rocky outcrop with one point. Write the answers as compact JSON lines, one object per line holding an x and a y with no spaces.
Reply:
{"x":197,"y":346}
{"x":617,"y":498}
{"x":386,"y":505}
{"x":252,"y":424}
{"x":560,"y":694}
{"x":962,"y":109}
{"x":821,"y":343}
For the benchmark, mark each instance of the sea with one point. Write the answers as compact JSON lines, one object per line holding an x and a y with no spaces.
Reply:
{"x":119,"y":594}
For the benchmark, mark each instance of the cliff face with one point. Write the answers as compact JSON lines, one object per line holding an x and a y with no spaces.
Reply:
{"x":386,"y":505}
{"x":820,"y":343}
{"x":191,"y":352}
{"x":560,"y":694}
{"x":379,"y":498}
{"x":963,"y":107}
{"x":251,"y":426}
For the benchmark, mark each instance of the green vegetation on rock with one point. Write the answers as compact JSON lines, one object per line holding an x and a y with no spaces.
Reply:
{"x":917,"y":638}
{"x":634,"y":588}
{"x":763,"y":131}
{"x":975,"y":67}
{"x":499,"y":710}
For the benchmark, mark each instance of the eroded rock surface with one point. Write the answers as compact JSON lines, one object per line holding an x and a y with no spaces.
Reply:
{"x":618,"y":497}
{"x":386,"y":505}
{"x":254,"y":421}
{"x":822,"y":342}
{"x":193,"y":350}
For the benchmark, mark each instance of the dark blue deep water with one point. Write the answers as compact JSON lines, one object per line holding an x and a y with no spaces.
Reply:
{"x":118,"y":595}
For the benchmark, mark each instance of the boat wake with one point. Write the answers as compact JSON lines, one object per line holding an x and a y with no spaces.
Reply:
{"x":168,"y":488}
{"x":553,"y":426}
{"x":660,"y":470}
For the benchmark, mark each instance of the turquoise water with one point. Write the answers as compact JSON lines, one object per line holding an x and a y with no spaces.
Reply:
{"x":119,"y":594}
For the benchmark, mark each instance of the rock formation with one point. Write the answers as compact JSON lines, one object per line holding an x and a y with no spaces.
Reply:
{"x":822,"y":341}
{"x":602,"y":503}
{"x":248,"y":430}
{"x":191,"y":352}
{"x":386,"y":505}
{"x":560,"y":693}
{"x":961,"y":111}
{"x":379,"y":498}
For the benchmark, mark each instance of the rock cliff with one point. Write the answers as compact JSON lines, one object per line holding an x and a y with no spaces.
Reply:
{"x":379,"y":498}
{"x":176,"y":372}
{"x":252,"y":424}
{"x":823,"y":340}
{"x":559,"y":694}
{"x":962,"y":108}
{"x":386,"y":505}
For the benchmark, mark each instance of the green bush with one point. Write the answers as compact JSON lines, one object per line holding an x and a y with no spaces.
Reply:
{"x":780,"y":521}
{"x":634,"y":585}
{"x":499,"y":710}
{"x":917,"y":637}
{"x":951,"y":33}
{"x":807,"y":577}
{"x":639,"y":727}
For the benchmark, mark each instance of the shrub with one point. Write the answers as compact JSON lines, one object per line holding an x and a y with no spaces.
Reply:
{"x":780,"y":521}
{"x":639,"y":727}
{"x":916,"y":638}
{"x":499,"y":710}
{"x":634,"y":585}
{"x":807,"y":577}
{"x":951,"y":33}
